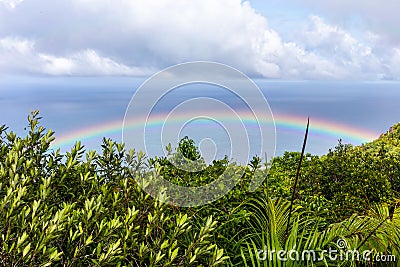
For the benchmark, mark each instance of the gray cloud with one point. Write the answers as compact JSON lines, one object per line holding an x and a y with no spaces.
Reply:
{"x":100,"y":37}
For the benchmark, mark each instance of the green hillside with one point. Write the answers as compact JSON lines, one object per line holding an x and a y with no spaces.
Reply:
{"x":388,"y":142}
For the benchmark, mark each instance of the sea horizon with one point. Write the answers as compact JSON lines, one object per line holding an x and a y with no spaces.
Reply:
{"x":89,"y":108}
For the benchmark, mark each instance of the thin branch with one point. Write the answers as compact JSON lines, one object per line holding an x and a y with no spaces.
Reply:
{"x":297,"y":179}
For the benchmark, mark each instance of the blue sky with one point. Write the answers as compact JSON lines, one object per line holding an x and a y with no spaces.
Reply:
{"x":287,"y":39}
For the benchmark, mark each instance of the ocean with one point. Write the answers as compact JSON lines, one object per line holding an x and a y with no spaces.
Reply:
{"x":89,"y":108}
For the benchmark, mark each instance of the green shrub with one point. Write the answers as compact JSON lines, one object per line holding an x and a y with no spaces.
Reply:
{"x":83,"y":209}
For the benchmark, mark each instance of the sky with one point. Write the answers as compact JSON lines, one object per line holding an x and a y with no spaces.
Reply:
{"x":277,"y":39}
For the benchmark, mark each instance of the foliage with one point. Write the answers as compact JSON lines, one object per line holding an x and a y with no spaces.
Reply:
{"x":64,"y":210}
{"x":347,"y":180}
{"x":376,"y":233}
{"x":85,"y":208}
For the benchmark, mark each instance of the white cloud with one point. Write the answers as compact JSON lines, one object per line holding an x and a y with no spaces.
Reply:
{"x":16,"y":55}
{"x":88,"y":62}
{"x":124,"y":37}
{"x":16,"y":45}
{"x":380,"y":16}
{"x":352,"y":57}
{"x":20,"y":55}
{"x":10,"y":3}
{"x":370,"y":58}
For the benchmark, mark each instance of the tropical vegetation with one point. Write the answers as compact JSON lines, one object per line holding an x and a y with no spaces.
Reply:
{"x":88,"y":208}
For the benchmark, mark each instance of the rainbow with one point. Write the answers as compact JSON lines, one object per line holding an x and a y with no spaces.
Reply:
{"x":284,"y":122}
{"x":325,"y":128}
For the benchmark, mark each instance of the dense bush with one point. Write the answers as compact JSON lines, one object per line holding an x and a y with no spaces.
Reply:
{"x":74,"y":211}
{"x":345,"y":181}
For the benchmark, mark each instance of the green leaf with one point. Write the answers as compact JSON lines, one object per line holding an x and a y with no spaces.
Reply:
{"x":193,"y":259}
{"x":26,"y":250}
{"x":174,"y":254}
{"x":89,"y":240}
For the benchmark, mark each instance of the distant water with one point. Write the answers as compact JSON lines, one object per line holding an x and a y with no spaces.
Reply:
{"x":352,"y":111}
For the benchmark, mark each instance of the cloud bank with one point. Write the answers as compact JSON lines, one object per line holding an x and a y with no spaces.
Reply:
{"x":20,"y":56}
{"x":380,"y":16}
{"x":123,"y":37}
